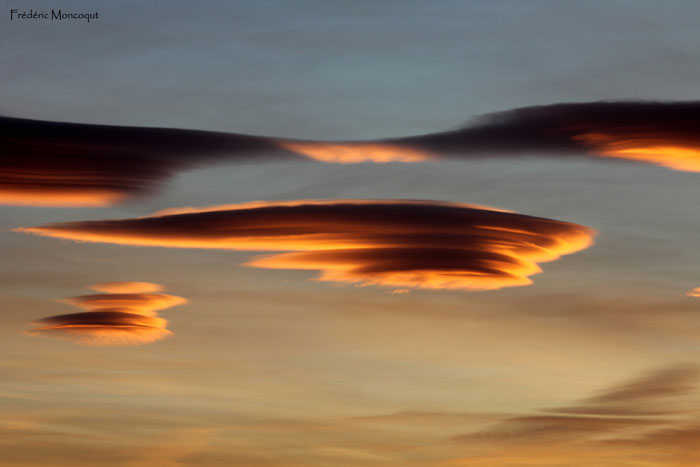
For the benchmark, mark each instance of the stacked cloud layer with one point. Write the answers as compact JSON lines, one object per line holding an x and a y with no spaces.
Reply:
{"x":113,"y":318}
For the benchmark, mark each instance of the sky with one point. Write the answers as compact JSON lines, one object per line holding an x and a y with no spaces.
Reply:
{"x":378,"y":233}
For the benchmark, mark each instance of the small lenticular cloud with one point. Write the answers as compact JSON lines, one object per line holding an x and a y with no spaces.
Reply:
{"x":394,"y":243}
{"x":113,"y":319}
{"x":693,"y":293}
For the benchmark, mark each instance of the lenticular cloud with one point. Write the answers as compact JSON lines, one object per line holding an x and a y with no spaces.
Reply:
{"x":394,"y":243}
{"x":112,"y":319}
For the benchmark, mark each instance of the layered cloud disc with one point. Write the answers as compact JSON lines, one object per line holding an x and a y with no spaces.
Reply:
{"x":420,"y":244}
{"x":113,"y":320}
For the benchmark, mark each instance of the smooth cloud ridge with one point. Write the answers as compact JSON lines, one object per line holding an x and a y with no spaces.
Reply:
{"x":416,"y":244}
{"x":113,"y":319}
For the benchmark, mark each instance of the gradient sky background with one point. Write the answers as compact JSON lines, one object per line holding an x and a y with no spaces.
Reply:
{"x":268,"y":368}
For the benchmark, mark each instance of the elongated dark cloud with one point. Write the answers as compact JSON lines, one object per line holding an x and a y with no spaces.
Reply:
{"x":70,"y":164}
{"x":65,"y":164}
{"x":395,"y":243}
{"x":114,"y":318}
{"x":662,"y":133}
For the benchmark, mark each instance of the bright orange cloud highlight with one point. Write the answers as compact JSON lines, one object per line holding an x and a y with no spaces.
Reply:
{"x":352,"y":153}
{"x":28,"y":196}
{"x":126,"y":287}
{"x":667,"y":152}
{"x":405,"y":244}
{"x":114,"y":319}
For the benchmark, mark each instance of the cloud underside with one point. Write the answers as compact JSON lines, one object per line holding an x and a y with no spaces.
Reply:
{"x":104,"y":328}
{"x":69,"y":164}
{"x":395,"y":243}
{"x":113,"y":319}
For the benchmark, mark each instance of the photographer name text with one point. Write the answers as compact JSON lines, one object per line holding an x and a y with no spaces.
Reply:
{"x":54,"y":15}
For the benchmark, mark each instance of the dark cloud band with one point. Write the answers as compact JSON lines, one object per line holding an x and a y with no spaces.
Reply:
{"x":71,"y":164}
{"x":64,"y":164}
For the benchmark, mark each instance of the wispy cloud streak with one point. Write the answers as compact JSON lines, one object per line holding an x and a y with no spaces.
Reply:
{"x":654,"y":417}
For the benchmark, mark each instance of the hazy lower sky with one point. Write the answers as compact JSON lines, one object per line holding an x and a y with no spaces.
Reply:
{"x":592,"y":364}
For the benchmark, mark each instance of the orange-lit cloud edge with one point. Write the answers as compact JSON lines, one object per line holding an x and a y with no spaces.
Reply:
{"x":392,"y":243}
{"x":65,"y":197}
{"x":112,"y":319}
{"x":663,"y":151}
{"x":126,"y":287}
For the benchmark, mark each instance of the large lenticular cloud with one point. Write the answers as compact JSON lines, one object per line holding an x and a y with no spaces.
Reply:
{"x":68,"y":164}
{"x":112,"y":319}
{"x":421,"y":244}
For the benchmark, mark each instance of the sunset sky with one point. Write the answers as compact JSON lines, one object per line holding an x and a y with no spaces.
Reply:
{"x":341,"y":234}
